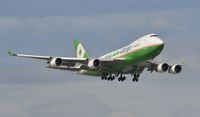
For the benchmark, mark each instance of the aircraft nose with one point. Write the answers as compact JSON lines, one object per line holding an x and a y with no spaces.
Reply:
{"x":159,"y":41}
{"x":156,"y":40}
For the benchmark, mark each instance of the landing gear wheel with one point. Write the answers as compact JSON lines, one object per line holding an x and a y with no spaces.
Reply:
{"x":109,"y":78}
{"x":136,"y":80}
{"x":104,"y":76}
{"x":136,"y":76}
{"x":121,"y":78}
{"x":113,"y":77}
{"x":133,"y":80}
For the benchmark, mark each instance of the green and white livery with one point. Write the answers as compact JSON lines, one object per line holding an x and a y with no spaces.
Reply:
{"x":80,"y":51}
{"x":132,"y":59}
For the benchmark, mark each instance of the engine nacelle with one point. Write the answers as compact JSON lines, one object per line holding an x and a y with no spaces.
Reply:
{"x":162,"y":67}
{"x":94,"y":64}
{"x":175,"y":69}
{"x":56,"y":62}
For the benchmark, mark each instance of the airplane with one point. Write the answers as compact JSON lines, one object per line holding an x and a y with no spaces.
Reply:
{"x":131,"y":59}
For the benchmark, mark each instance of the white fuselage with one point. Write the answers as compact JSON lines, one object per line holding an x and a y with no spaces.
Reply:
{"x":145,"y":41}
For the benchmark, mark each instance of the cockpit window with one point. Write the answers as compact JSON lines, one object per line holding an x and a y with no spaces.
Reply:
{"x":153,"y":35}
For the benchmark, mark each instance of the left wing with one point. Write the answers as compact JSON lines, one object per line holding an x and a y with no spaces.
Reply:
{"x":163,"y":67}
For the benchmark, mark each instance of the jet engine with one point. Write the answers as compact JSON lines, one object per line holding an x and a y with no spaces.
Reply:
{"x":56,"y":62}
{"x":94,"y":64}
{"x":162,"y":67}
{"x":175,"y":69}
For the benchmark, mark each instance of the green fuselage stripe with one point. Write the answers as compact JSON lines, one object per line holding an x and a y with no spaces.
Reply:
{"x":132,"y":58}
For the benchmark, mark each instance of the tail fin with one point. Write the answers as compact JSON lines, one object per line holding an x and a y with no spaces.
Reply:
{"x":80,"y":51}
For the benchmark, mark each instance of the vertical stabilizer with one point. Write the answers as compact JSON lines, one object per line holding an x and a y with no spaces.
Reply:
{"x":79,"y":50}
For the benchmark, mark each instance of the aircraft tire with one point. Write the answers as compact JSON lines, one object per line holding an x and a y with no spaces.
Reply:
{"x":113,"y":77}
{"x":123,"y":78}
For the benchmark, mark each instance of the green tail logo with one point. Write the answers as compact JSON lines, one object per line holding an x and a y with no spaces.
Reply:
{"x":80,"y":51}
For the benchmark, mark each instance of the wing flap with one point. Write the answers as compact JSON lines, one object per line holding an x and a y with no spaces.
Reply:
{"x":65,"y":68}
{"x":112,"y":61}
{"x":74,"y":60}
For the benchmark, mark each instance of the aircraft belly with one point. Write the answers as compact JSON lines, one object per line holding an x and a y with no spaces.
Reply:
{"x":89,"y":73}
{"x":128,"y":69}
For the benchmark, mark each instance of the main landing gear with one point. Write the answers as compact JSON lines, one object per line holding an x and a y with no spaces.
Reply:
{"x":121,"y":78}
{"x":105,"y":76}
{"x":110,"y":77}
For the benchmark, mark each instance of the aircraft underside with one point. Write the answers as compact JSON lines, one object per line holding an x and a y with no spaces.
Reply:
{"x":134,"y":70}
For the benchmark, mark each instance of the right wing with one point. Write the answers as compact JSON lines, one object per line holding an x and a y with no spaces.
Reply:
{"x":54,"y":61}
{"x":29,"y":56}
{"x":72,"y":64}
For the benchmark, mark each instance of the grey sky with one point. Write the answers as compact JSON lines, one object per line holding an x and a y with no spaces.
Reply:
{"x":24,"y":8}
{"x":47,"y":27}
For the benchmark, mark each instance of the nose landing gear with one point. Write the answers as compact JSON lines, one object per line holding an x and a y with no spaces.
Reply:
{"x":136,"y":77}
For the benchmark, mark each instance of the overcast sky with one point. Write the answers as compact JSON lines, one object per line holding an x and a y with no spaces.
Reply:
{"x":47,"y":27}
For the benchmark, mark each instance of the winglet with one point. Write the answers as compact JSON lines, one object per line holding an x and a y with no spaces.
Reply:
{"x":11,"y":54}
